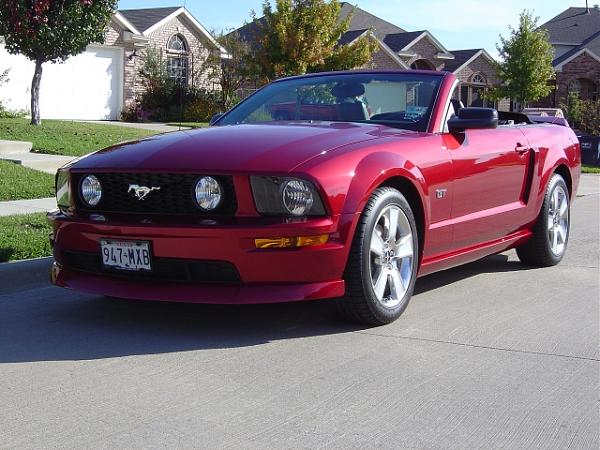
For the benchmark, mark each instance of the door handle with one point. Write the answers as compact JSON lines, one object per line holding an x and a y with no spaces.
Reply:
{"x":521,"y":148}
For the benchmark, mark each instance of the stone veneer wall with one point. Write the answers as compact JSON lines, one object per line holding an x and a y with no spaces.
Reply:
{"x":114,"y":36}
{"x":480,"y":65}
{"x":159,"y":39}
{"x":425,"y":49}
{"x":584,"y":66}
{"x":197,"y":44}
{"x":380,"y":60}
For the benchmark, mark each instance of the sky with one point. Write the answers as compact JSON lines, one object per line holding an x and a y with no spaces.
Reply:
{"x":457,"y":24}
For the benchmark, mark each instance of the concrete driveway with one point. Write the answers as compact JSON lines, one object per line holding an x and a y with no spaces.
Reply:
{"x":490,"y":355}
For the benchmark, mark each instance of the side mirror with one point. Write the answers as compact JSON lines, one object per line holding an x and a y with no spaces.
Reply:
{"x":473,"y":119}
{"x":215,"y":118}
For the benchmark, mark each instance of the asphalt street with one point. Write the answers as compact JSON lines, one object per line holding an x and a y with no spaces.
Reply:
{"x":492,"y":355}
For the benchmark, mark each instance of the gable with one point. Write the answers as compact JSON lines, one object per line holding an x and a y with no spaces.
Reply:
{"x":143,"y":19}
{"x":480,"y":64}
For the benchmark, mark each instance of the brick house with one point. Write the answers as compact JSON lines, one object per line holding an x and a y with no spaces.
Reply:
{"x":402,"y":50}
{"x":98,"y":83}
{"x":575,"y":37}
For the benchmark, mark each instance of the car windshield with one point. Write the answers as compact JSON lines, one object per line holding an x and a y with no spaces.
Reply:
{"x":401,"y":100}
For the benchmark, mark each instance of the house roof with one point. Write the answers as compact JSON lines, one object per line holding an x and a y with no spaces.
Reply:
{"x":350,"y":36}
{"x":397,"y":41}
{"x":362,"y":20}
{"x":460,"y":58}
{"x":573,"y":25}
{"x":143,"y":19}
{"x":147,"y":20}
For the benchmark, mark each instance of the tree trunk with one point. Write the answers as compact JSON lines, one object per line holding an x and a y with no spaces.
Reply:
{"x":35,"y":94}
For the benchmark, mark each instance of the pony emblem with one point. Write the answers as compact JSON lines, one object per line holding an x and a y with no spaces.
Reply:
{"x":141,"y":192}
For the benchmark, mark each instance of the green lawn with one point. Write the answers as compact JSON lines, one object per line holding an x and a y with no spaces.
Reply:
{"x":24,"y":237}
{"x":590,"y":169}
{"x":189,"y":124}
{"x":18,"y":182}
{"x":59,"y":137}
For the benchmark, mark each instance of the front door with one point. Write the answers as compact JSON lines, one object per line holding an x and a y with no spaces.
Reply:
{"x":490,"y":173}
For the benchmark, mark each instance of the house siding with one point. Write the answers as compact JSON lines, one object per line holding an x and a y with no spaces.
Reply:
{"x":199,"y":48}
{"x":426,"y":49}
{"x":380,"y":60}
{"x":584,"y":66}
{"x":479,"y":65}
{"x":114,"y":37}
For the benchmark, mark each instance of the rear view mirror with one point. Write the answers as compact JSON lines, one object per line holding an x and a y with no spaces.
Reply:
{"x":473,"y":119}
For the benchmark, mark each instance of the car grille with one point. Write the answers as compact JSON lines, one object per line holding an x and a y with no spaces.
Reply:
{"x":163,"y":269}
{"x":176,"y":194}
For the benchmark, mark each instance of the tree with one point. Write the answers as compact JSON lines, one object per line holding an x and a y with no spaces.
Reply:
{"x":302,"y":36}
{"x":526,"y":65}
{"x":232,"y":73}
{"x":51,"y":31}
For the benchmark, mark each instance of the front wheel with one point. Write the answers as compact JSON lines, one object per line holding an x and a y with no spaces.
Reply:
{"x":548,"y":244}
{"x":382,"y":266}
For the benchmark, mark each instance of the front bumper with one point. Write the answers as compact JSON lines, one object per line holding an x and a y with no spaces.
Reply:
{"x":265,"y":275}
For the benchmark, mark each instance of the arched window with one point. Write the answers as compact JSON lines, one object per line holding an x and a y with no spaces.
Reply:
{"x":422,"y":64}
{"x":177,"y":59}
{"x":177,"y":44}
{"x":473,"y":92}
{"x":478,"y":78}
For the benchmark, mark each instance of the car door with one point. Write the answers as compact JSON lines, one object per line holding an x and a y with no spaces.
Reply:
{"x":490,"y":170}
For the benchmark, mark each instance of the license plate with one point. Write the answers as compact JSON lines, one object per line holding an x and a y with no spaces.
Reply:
{"x":126,"y":255}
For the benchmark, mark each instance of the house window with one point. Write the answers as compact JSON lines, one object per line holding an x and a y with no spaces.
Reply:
{"x":473,"y":92}
{"x":584,"y":88}
{"x":178,"y":59}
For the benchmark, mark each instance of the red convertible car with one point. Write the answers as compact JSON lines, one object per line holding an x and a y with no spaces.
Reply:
{"x":256,"y":210}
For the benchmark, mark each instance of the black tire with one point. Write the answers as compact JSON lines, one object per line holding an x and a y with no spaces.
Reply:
{"x":538,"y":250}
{"x":360,"y":303}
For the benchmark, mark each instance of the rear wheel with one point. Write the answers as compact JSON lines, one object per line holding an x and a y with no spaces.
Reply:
{"x":548,"y":244}
{"x":382,"y":267}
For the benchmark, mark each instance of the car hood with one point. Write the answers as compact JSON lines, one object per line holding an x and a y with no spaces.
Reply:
{"x":278,"y":147}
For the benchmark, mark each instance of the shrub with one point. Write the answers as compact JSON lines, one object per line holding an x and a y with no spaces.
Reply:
{"x":584,"y":115}
{"x":203,"y":107}
{"x":166,"y":100}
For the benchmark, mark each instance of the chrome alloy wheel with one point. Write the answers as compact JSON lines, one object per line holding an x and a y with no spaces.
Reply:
{"x":558,"y":220}
{"x":391,"y":256}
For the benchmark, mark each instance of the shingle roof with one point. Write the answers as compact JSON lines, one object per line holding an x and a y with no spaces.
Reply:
{"x":574,"y":25}
{"x":460,"y":57}
{"x":143,"y":19}
{"x":592,"y":43}
{"x":350,"y":36}
{"x":397,"y":41}
{"x":362,"y":20}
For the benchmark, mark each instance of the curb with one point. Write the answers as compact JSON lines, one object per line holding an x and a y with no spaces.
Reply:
{"x":25,"y":272}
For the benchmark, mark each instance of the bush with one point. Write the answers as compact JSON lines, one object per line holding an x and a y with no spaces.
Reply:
{"x":203,"y":107}
{"x":584,"y":115}
{"x":166,"y":100}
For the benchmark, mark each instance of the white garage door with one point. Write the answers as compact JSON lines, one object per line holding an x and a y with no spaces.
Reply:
{"x":88,"y":86}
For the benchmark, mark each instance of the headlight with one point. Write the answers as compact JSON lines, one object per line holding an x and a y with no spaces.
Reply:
{"x":209,"y":193}
{"x":298,"y":197}
{"x":91,"y":190}
{"x":286,"y":196}
{"x":63,"y":189}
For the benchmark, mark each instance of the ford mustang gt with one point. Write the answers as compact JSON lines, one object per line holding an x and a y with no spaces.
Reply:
{"x":344,"y":185}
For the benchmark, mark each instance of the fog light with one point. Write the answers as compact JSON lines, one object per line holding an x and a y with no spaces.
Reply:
{"x":291,"y":242}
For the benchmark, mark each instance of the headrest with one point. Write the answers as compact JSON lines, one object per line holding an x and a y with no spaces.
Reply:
{"x":348,"y":89}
